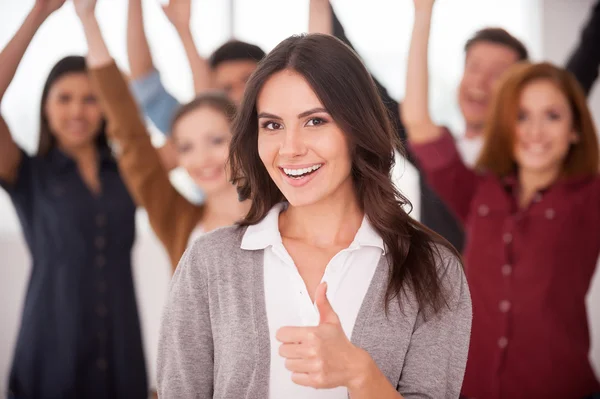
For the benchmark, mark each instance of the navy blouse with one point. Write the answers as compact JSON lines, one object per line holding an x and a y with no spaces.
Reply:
{"x":80,"y":333}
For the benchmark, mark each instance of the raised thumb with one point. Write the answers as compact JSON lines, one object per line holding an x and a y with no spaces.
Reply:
{"x":326,"y":312}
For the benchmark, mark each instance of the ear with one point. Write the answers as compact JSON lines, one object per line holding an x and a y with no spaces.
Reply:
{"x":574,"y":137}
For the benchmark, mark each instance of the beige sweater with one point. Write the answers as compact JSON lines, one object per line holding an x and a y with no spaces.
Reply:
{"x":172,"y":217}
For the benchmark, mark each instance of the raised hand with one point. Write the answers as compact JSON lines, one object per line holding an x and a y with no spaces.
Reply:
{"x":179,"y":13}
{"x":84,"y":8}
{"x":47,"y":7}
{"x":322,"y":356}
{"x":423,"y":4}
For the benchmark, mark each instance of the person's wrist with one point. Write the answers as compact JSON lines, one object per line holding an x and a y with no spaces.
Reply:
{"x":38,"y":14}
{"x":183,"y":29}
{"x":86,"y":17}
{"x":362,"y":371}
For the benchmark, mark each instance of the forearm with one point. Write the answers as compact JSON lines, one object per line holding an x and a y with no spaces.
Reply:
{"x":415,"y":107}
{"x":98,"y":54}
{"x":11,"y":55}
{"x":371,"y":383}
{"x":200,"y":69}
{"x":320,"y":19}
{"x":138,"y":51}
{"x":585,"y":58}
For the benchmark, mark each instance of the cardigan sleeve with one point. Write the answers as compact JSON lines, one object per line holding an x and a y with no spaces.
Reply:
{"x":185,"y":345}
{"x":171,"y":216}
{"x":436,"y":359}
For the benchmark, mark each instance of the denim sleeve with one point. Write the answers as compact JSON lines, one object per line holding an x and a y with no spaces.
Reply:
{"x":156,"y":102}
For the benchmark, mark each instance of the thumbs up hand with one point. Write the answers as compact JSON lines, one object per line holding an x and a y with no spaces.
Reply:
{"x":322,"y":356}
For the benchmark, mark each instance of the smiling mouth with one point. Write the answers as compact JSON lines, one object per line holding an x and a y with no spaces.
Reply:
{"x":302,"y":172}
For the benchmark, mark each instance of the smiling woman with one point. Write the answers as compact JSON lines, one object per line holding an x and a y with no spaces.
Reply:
{"x":327,"y":275}
{"x":531,"y":207}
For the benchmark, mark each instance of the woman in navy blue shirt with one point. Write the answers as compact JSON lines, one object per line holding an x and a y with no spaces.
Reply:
{"x":80,"y":335}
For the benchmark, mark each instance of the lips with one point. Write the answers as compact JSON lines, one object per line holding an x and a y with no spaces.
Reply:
{"x":207,"y":174}
{"x":297,"y":176}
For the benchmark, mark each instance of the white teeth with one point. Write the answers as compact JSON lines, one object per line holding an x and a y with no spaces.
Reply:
{"x":302,"y":171}
{"x":536,"y":148}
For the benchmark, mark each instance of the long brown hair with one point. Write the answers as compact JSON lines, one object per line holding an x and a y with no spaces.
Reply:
{"x":347,"y":91}
{"x":498,"y":157}
{"x":73,"y":64}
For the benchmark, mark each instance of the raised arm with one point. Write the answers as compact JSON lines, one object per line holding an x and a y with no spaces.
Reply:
{"x":179,"y":13}
{"x":323,"y":19}
{"x":415,"y":108}
{"x":320,"y":18}
{"x":150,"y":93}
{"x":138,"y":51}
{"x":585,"y":59}
{"x":10,"y":58}
{"x":172,"y":217}
{"x":433,"y":146}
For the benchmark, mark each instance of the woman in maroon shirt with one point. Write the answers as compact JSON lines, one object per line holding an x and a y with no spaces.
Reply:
{"x":531,"y":210}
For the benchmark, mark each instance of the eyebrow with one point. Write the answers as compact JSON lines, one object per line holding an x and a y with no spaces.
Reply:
{"x":301,"y":115}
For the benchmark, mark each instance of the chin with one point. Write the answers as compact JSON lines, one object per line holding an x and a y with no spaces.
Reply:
{"x":303,"y":199}
{"x":212,"y":188}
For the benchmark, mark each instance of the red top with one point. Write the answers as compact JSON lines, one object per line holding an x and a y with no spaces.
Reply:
{"x":529,"y":271}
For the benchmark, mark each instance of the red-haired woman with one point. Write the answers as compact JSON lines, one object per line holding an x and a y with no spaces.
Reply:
{"x":531,"y":209}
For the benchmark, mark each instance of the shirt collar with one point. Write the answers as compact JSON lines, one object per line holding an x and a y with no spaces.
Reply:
{"x":266,"y":233}
{"x":63,"y":161}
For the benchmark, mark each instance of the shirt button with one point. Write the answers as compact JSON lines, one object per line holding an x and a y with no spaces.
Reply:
{"x":483,"y":210}
{"x":100,"y":220}
{"x":550,"y":213}
{"x":537,"y":197}
{"x":102,"y":364}
{"x":503,"y":342}
{"x":506,"y":270}
{"x":504,"y":306}
{"x":100,"y":261}
{"x":100,"y":242}
{"x":101,"y":310}
{"x":101,"y":287}
{"x":507,"y":238}
{"x":101,"y":336}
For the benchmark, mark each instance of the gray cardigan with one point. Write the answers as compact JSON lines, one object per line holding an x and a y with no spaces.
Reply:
{"x":214,"y":339}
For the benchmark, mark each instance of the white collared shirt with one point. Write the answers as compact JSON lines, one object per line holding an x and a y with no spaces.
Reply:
{"x":348,"y":276}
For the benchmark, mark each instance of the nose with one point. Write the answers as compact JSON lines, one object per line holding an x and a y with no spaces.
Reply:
{"x":292,"y":144}
{"x":77,"y":109}
{"x":534,"y":128}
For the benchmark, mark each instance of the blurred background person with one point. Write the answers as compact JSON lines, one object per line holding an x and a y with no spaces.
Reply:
{"x":530,"y":207}
{"x":80,"y":335}
{"x":201,"y":133}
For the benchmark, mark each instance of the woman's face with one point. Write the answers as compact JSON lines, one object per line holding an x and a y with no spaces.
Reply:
{"x":544,"y":130}
{"x":202,"y":139}
{"x":301,"y":146}
{"x":74,"y":116}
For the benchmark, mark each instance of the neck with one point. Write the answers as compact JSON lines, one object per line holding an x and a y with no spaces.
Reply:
{"x":532,"y":182}
{"x":474,"y":130}
{"x":224,"y":205}
{"x":331,"y":222}
{"x":82,"y":155}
